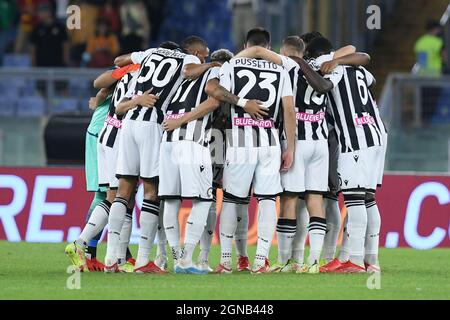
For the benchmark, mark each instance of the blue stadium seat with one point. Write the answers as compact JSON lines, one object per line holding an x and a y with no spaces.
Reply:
{"x":17,"y":60}
{"x":64,"y":105}
{"x":442,"y":112}
{"x":33,"y":106}
{"x":8,"y":108}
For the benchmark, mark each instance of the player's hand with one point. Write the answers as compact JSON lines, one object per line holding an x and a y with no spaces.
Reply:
{"x":147,"y":100}
{"x":215,"y":64}
{"x":93,"y":103}
{"x":172,"y":124}
{"x":287,"y":160}
{"x":256,"y":109}
{"x":329,"y":66}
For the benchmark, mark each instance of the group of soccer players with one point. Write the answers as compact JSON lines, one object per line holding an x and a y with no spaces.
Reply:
{"x":301,"y":126}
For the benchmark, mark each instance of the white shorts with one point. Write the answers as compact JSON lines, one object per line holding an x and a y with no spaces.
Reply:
{"x":309,"y":172}
{"x":185,"y":171}
{"x":374,"y":160}
{"x":257,"y":166}
{"x":353,"y":169}
{"x":382,"y":160}
{"x":139,"y":149}
{"x":107,"y":162}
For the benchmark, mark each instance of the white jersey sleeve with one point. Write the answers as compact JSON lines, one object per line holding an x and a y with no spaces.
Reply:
{"x":225,"y":76}
{"x":286,"y":90}
{"x":336,"y":76}
{"x":190,"y":59}
{"x":288,"y":63}
{"x":139,"y":56}
{"x":214,"y":74}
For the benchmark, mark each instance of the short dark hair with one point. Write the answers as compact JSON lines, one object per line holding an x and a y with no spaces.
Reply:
{"x":170,"y":45}
{"x":318,"y":47}
{"x":294,"y":42}
{"x":433,"y":24}
{"x":310,"y":36}
{"x":192,"y":41}
{"x":222,"y":55}
{"x":258,"y":37}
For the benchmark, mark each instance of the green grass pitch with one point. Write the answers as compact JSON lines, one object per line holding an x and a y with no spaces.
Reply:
{"x":38,"y":271}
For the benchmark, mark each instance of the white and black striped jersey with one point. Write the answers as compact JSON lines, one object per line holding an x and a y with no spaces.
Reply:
{"x":190,"y":94}
{"x":161,"y":71}
{"x":261,"y":80}
{"x":350,"y":105}
{"x":113,"y":122}
{"x":373,"y":107}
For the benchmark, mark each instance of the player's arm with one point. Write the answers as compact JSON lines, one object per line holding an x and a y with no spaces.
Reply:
{"x":193,"y":71}
{"x":123,"y":60}
{"x":99,"y":98}
{"x":257,"y":52}
{"x":254,"y":108}
{"x":289,"y":128}
{"x":355,"y":59}
{"x":207,"y":106}
{"x":344,"y":51}
{"x":104,"y":80}
{"x":146,"y":100}
{"x":315,"y":80}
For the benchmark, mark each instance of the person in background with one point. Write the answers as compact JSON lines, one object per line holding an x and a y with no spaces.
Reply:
{"x":50,"y":47}
{"x":244,"y":19}
{"x":110,"y":12}
{"x":27,"y":22}
{"x":78,"y":37}
{"x":430,"y":55}
{"x":429,"y":50}
{"x":7,"y":25}
{"x":103,"y":46}
{"x":135,"y":26}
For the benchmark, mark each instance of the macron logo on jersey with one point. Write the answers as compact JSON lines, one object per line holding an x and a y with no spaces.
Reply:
{"x":308,"y":117}
{"x":249,"y":122}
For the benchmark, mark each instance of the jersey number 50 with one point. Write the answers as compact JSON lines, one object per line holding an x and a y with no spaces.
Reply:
{"x":153,"y":68}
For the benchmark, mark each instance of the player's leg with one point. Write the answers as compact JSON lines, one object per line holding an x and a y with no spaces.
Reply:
{"x":237,"y":179}
{"x":148,"y":221}
{"x":301,"y":232}
{"x":333,"y":216}
{"x":372,"y":233}
{"x":286,"y":227}
{"x":351,"y":171}
{"x":267,"y":185}
{"x":127,"y":171}
{"x":207,"y":237}
{"x":196,"y":184}
{"x":241,"y":235}
{"x":161,"y":252}
{"x":125,"y":258}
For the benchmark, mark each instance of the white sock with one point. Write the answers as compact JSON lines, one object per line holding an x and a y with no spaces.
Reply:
{"x":227,"y":229}
{"x":115,"y":222}
{"x":298,"y":245}
{"x":372,"y":232}
{"x":195,"y":226}
{"x":125,"y":235}
{"x":172,"y":226}
{"x":241,"y":234}
{"x":316,"y":230}
{"x":149,"y":225}
{"x":285,"y":235}
{"x":333,"y":214}
{"x":161,"y":234}
{"x":344,"y":252}
{"x":97,"y":221}
{"x":267,"y":221}
{"x":356,"y":225}
{"x":207,"y":236}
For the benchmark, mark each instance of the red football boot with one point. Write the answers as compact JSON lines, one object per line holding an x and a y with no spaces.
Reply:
{"x":221,"y":269}
{"x":150,"y":267}
{"x":350,"y":267}
{"x":243,"y":264}
{"x":94,"y":265}
{"x":331,"y":266}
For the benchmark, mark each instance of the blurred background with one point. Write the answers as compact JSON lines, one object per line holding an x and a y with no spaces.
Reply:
{"x":47,"y":70}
